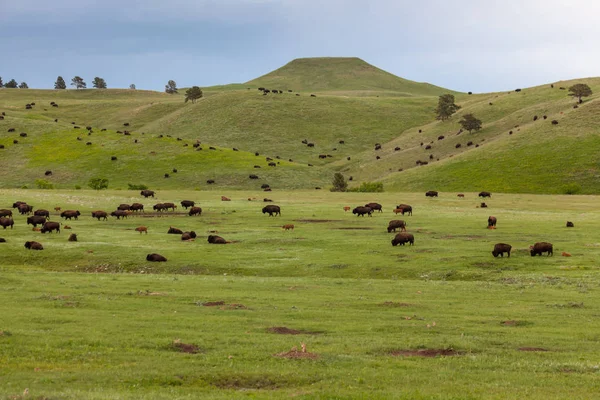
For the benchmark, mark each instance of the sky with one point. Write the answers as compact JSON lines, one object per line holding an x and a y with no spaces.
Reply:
{"x":464,"y":45}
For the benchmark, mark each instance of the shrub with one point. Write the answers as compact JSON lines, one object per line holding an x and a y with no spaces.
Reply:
{"x":571,"y":188}
{"x":140,"y":186}
{"x":98,"y":183}
{"x":368,"y":187}
{"x":43,"y":184}
{"x":77,"y":187}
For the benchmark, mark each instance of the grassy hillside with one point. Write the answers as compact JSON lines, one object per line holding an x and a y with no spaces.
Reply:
{"x":341,"y":74}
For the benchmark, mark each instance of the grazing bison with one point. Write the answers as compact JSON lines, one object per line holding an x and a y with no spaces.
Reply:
{"x":5,"y":213}
{"x":141,"y":229}
{"x":137,"y":207}
{"x":402,"y":238}
{"x":68,"y":214}
{"x":214,"y":239}
{"x":187,"y":203}
{"x":51,"y":226}
{"x":6,"y":222}
{"x":119,"y":214}
{"x":375,"y":206}
{"x":174,"y":231}
{"x":570,"y":224}
{"x":431,"y":193}
{"x":288,"y":227}
{"x":72,"y":237}
{"x":395,"y":224}
{"x":36,"y":220}
{"x":361,"y":211}
{"x":485,"y":194}
{"x":404,"y":208}
{"x":272,"y":209}
{"x":34,"y":246}
{"x":100,"y":214}
{"x":195,"y":211}
{"x":25,"y":209}
{"x":124,"y":207}
{"x":541,"y":247}
{"x":188,"y":235}
{"x":42,"y":213}
{"x":500,"y":249}
{"x":491,"y":221}
{"x":147,"y":193}
{"x":155,"y":258}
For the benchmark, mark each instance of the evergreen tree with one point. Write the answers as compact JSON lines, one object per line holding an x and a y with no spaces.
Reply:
{"x":580,"y":90}
{"x":23,"y":85}
{"x":12,"y":84}
{"x":446,"y":107}
{"x":171,"y":87}
{"x":132,"y":86}
{"x":193,"y":94}
{"x":99,"y":83}
{"x":470,"y":123}
{"x":60,"y":83}
{"x":1,"y":83}
{"x":78,"y":82}
{"x":339,"y":183}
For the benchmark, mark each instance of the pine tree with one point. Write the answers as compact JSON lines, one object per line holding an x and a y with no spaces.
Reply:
{"x":23,"y":85}
{"x":193,"y":94}
{"x":60,"y":83}
{"x":339,"y":183}
{"x":132,"y":86}
{"x":78,"y":82}
{"x":99,"y":83}
{"x":12,"y":84}
{"x":171,"y":87}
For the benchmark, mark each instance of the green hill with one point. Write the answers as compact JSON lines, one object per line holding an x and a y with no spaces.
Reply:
{"x":338,"y":74}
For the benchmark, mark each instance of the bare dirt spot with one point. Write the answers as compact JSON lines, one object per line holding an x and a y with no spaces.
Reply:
{"x":213,"y":303}
{"x":395,"y":304}
{"x":425,"y":353}
{"x":532,"y":349}
{"x":185,"y":347}
{"x":282,"y":330}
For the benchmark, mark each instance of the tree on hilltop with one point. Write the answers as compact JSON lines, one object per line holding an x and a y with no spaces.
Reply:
{"x":132,"y":86}
{"x":580,"y":90}
{"x":446,"y":107}
{"x":470,"y":123}
{"x":12,"y":84}
{"x":193,"y":94}
{"x":23,"y":85}
{"x":78,"y":82}
{"x":60,"y":83}
{"x":1,"y":83}
{"x":171,"y":87}
{"x":99,"y":83}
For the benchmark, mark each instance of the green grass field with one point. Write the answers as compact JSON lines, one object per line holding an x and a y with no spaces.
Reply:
{"x":93,"y":320}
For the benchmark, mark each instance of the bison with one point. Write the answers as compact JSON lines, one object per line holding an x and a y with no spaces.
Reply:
{"x":491,"y":221}
{"x":187,"y":203}
{"x":100,"y":214}
{"x":147,"y":193}
{"x":402,"y":238}
{"x":36,"y":220}
{"x":541,"y":247}
{"x":137,"y":207}
{"x":42,"y":213}
{"x":214,"y":239}
{"x":570,"y":224}
{"x":155,"y":258}
{"x":485,"y":194}
{"x":5,"y":213}
{"x":272,"y":209}
{"x":431,"y":193}
{"x":288,"y":227}
{"x":124,"y":207}
{"x":500,"y":249}
{"x":34,"y":246}
{"x":141,"y":229}
{"x":361,"y":211}
{"x":405,"y":208}
{"x":51,"y":226}
{"x":72,"y":237}
{"x":346,"y":208}
{"x":119,"y":214}
{"x":195,"y":211}
{"x":25,"y":209}
{"x":374,"y":206}
{"x":68,"y":214}
{"x":188,"y":235}
{"x":395,"y":224}
{"x":174,"y":231}
{"x":6,"y":222}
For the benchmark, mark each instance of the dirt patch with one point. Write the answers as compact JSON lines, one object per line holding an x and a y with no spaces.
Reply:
{"x":316,"y":221}
{"x":213,"y":303}
{"x":185,"y":347}
{"x":395,"y":304}
{"x":425,"y":353}
{"x":282,"y":330}
{"x":356,"y":228}
{"x":532,"y":349}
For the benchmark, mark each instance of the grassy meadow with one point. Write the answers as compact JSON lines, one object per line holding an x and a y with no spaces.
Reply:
{"x":92,"y":319}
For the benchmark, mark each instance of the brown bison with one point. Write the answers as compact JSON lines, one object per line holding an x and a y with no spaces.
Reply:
{"x":375,"y":206}
{"x":492,"y":221}
{"x":483,"y":205}
{"x":119,"y":214}
{"x":272,"y":209}
{"x":6,"y":222}
{"x":174,"y":231}
{"x":460,"y":195}
{"x":431,"y":193}
{"x":25,"y":209}
{"x":188,"y":235}
{"x":68,"y":214}
{"x":124,"y":207}
{"x":214,"y":239}
{"x":172,"y":206}
{"x":5,"y":213}
{"x":395,"y":224}
{"x":485,"y":194}
{"x":361,"y":211}
{"x":405,"y":208}
{"x":155,"y":258}
{"x":51,"y":226}
{"x":288,"y":227}
{"x":141,"y":229}
{"x":223,"y":198}
{"x":137,"y":207}
{"x":187,"y":203}
{"x":403,"y":238}
{"x":72,"y":237}
{"x":34,"y":246}
{"x":16,"y":204}
{"x":100,"y":214}
{"x":147,"y":193}
{"x":539,"y":248}
{"x":158,"y":207}
{"x":195,"y":211}
{"x":570,"y":224}
{"x":500,"y":249}
{"x":36,"y":220}
{"x":42,"y":213}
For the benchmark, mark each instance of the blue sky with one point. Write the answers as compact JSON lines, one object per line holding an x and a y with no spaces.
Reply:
{"x":465,"y":45}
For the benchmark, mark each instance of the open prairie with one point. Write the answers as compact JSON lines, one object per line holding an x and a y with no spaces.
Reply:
{"x":329,"y":309}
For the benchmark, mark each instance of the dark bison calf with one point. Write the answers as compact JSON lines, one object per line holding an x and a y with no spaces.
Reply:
{"x":375,"y":206}
{"x":51,"y":226}
{"x":34,"y":246}
{"x":195,"y":211}
{"x":403,"y":238}
{"x":395,"y":224}
{"x":155,"y":258}
{"x":541,"y":247}
{"x":272,"y":209}
{"x":361,"y":211}
{"x":431,"y":193}
{"x":492,"y":221}
{"x":485,"y":194}
{"x":214,"y":239}
{"x":500,"y":249}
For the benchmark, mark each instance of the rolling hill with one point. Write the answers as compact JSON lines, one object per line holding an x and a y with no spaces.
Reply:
{"x":355,"y":103}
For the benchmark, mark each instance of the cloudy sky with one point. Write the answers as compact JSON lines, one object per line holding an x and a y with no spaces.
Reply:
{"x":466,"y":45}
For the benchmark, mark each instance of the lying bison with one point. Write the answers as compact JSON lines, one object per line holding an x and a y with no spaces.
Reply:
{"x":491,"y":221}
{"x":195,"y":211}
{"x":396,"y":224}
{"x":375,"y":206}
{"x":6,"y":222}
{"x":570,"y":224}
{"x":100,"y":214}
{"x":36,"y":220}
{"x":485,"y":194}
{"x":500,"y":249}
{"x":214,"y":239}
{"x":51,"y":226}
{"x":188,"y":235}
{"x":541,"y":247}
{"x":187,"y":203}
{"x":72,"y":237}
{"x":361,"y":211}
{"x":272,"y":209}
{"x":147,"y":193}
{"x":403,"y":238}
{"x":174,"y":231}
{"x":68,"y":214}
{"x":431,"y":193}
{"x":34,"y":246}
{"x":155,"y":258}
